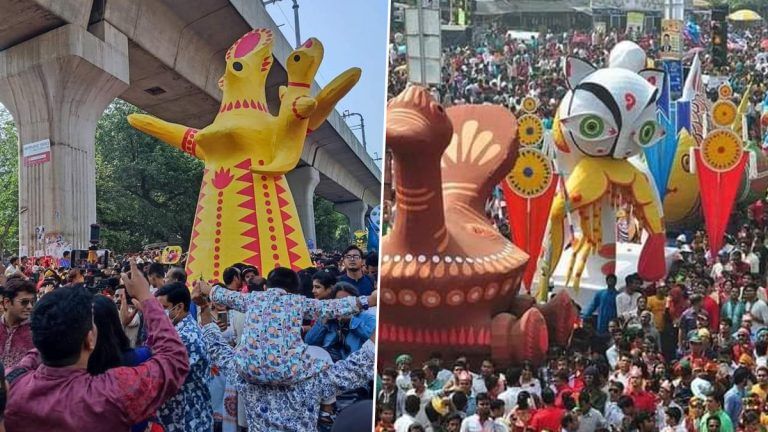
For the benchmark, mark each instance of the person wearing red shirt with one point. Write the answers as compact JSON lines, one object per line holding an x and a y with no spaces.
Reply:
{"x":549,"y":417}
{"x":561,"y":387}
{"x":711,"y":305}
{"x":15,"y":332}
{"x":644,"y":401}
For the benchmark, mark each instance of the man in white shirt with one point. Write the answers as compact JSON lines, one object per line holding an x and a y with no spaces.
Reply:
{"x":626,"y":301}
{"x":509,"y":396}
{"x":412,"y":405}
{"x":757,"y":308}
{"x":719,"y":267}
{"x":481,"y":421}
{"x":425,"y":395}
{"x":590,"y":419}
{"x":13,"y":267}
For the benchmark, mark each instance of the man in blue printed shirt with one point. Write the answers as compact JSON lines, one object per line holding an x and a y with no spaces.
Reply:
{"x":190,"y":409}
{"x":291,"y":408}
{"x":604,"y":303}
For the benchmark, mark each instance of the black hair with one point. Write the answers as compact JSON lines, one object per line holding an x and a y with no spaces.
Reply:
{"x":111,"y":341}
{"x":60,"y":323}
{"x":675,"y":413}
{"x":249,"y":269}
{"x":547,"y":396}
{"x":175,"y":293}
{"x":17,"y":284}
{"x":284,"y":278}
{"x":625,"y":402}
{"x":372,"y":259}
{"x":715,"y":418}
{"x":351,"y":248}
{"x":460,"y":400}
{"x":497,"y":404}
{"x":522,"y":400}
{"x":177,"y":274}
{"x":433,"y":367}
{"x":482,"y":397}
{"x":741,"y":375}
{"x":412,"y":404}
{"x":391,"y":372}
{"x":345,"y":287}
{"x":156,"y":269}
{"x":418,"y":374}
{"x":325,"y":279}
{"x":230,"y":273}
{"x":13,"y":260}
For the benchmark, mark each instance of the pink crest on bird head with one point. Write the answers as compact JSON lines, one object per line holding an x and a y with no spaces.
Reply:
{"x":308,"y":43}
{"x":630,"y":99}
{"x":247,"y":43}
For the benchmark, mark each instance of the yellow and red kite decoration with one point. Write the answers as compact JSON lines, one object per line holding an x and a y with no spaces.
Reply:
{"x":170,"y":255}
{"x":720,"y":163}
{"x":529,"y":190}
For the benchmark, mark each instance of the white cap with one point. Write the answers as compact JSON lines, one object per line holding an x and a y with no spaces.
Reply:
{"x":681,"y":238}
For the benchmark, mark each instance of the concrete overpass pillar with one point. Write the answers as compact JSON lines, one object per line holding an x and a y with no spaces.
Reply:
{"x":303,"y":182}
{"x":355,"y":212}
{"x":57,"y":86}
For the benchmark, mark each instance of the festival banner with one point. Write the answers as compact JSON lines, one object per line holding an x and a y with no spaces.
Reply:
{"x":660,"y":156}
{"x":671,"y":47}
{"x":529,"y":191}
{"x":635,"y":22}
{"x":674,"y":71}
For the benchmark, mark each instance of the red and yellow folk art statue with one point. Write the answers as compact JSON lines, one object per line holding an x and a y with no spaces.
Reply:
{"x":245,"y":211}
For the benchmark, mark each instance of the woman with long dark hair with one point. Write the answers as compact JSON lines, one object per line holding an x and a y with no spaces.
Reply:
{"x":113,"y":349}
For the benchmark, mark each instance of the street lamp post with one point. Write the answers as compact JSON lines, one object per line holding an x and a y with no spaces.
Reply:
{"x":362,"y":124}
{"x":295,"y":18}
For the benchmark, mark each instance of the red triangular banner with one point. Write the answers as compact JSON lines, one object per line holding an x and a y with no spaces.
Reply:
{"x":528,"y":222}
{"x":289,"y":243}
{"x":288,"y":229}
{"x":285,"y":215}
{"x":279,"y":188}
{"x":281,"y":202}
{"x":252,"y":232}
{"x":718,"y":193}
{"x":248,"y":204}
{"x":247,"y":177}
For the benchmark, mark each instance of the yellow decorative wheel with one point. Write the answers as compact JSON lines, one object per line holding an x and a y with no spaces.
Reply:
{"x":530,"y":130}
{"x":532,"y":174}
{"x":530,"y":104}
{"x":725,"y":91}
{"x":721,"y":150}
{"x":723,"y":113}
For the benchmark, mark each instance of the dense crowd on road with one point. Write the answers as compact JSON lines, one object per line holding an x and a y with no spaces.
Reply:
{"x":127,"y":343}
{"x":687,"y":353}
{"x":498,"y":68}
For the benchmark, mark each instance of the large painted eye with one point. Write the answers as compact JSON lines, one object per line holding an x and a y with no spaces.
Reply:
{"x":237,"y":66}
{"x":591,"y":127}
{"x":647,"y":132}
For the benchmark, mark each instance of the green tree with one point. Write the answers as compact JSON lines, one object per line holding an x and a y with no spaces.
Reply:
{"x":331,"y":227}
{"x":9,"y":185}
{"x":146,"y":191}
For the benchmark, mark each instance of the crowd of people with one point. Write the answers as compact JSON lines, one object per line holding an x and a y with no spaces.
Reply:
{"x":128,"y":343}
{"x":499,"y":68}
{"x":687,"y":353}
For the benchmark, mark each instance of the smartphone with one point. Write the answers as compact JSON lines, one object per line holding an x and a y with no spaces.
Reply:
{"x":222,"y":316}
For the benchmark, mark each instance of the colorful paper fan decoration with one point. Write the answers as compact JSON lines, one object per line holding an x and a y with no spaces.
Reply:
{"x":721,"y":150}
{"x":530,"y":104}
{"x":529,"y":190}
{"x":532,"y":174}
{"x":724,"y":113}
{"x":530,"y":130}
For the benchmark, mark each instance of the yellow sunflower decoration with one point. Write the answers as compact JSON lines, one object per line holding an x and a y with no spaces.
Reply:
{"x":532,"y":173}
{"x":721,"y":150}
{"x":530,"y":129}
{"x":530,"y":104}
{"x":725,"y":91}
{"x":723,"y":113}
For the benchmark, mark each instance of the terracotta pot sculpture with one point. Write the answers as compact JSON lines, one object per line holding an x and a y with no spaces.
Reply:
{"x":449,"y":279}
